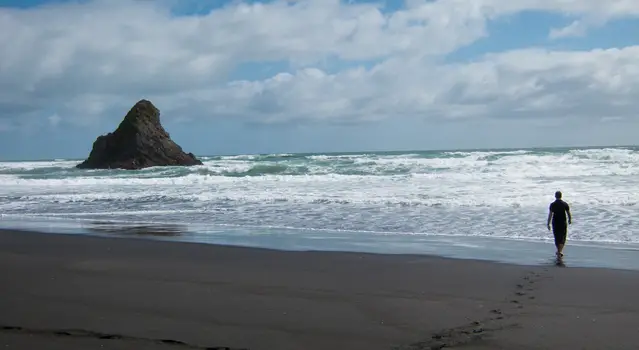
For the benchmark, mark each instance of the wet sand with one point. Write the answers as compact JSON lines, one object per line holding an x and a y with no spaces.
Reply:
{"x":83,"y":292}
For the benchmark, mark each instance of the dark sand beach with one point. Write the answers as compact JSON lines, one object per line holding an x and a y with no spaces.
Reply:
{"x":83,"y":292}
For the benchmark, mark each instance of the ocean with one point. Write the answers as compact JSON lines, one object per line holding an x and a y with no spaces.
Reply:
{"x":407,"y":202}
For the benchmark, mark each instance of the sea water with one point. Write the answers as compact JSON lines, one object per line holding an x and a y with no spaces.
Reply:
{"x":457,"y":203}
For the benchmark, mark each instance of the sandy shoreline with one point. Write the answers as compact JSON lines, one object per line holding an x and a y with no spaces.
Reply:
{"x":116,"y":293}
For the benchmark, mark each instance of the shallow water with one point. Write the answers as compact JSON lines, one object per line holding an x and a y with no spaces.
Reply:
{"x":503,"y":250}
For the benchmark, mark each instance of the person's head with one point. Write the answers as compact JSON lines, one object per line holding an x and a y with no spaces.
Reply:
{"x":558,"y":195}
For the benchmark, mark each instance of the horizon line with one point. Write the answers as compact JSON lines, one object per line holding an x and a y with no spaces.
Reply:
{"x":478,"y":149}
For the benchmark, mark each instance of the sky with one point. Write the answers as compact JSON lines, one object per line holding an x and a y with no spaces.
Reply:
{"x":238,"y":77}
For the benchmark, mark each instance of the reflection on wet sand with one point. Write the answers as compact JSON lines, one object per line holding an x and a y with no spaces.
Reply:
{"x":163,"y":230}
{"x":559,"y":262}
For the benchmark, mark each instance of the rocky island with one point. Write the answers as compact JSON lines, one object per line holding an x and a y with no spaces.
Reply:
{"x":139,"y":142}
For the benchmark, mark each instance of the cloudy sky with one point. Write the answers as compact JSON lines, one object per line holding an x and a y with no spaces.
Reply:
{"x":320,"y":75}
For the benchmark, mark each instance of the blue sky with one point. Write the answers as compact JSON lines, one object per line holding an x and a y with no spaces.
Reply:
{"x":319,"y":75}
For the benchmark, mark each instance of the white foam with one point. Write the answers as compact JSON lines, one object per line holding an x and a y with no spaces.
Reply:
{"x":32,"y":165}
{"x":497,"y":194}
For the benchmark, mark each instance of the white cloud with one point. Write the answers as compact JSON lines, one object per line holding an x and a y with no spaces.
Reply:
{"x":611,"y":119}
{"x":522,"y":83}
{"x":54,"y":119}
{"x":576,"y":28}
{"x":580,"y":27}
{"x":94,"y":59}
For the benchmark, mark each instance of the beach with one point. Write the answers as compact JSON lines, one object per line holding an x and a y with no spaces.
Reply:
{"x":84,"y":292}
{"x":319,"y":175}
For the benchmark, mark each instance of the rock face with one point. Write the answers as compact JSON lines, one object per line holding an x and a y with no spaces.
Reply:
{"x":139,"y":142}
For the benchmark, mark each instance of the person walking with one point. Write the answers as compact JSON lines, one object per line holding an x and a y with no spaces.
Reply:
{"x":557,"y":213}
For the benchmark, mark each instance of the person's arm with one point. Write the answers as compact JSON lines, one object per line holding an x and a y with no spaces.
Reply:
{"x":549,"y":218}
{"x":569,"y":216}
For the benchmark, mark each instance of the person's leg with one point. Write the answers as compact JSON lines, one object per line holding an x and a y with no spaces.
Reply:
{"x":560,"y":249}
{"x":559,"y":231}
{"x":561,"y":239}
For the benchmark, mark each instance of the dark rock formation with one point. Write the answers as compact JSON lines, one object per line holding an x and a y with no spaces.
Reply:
{"x":139,"y":142}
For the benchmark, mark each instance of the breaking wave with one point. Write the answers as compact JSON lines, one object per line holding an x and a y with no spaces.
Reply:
{"x":473,"y":193}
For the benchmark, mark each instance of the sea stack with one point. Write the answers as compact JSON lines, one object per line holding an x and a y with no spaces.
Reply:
{"x":139,"y":142}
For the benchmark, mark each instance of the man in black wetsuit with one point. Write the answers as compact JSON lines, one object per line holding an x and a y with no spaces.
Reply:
{"x":557,"y":212}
